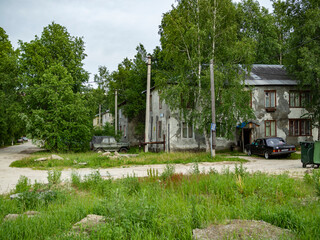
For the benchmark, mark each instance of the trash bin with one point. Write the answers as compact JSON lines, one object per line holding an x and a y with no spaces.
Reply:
{"x":307,"y":153}
{"x":316,"y":155}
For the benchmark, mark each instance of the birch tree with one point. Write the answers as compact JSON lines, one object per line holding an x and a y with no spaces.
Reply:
{"x":193,"y":33}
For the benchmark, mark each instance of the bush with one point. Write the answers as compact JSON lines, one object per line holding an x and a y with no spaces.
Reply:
{"x":54,"y":177}
{"x":23,"y":184}
{"x":167,"y":172}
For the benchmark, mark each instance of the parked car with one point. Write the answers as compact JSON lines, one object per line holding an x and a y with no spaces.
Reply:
{"x":20,"y":140}
{"x":108,"y":143}
{"x":25,"y":139}
{"x":268,"y":147}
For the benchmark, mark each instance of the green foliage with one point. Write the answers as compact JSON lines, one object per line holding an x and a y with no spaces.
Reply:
{"x":52,"y":74}
{"x":302,"y":59}
{"x":95,"y":160}
{"x":130,"y":80}
{"x":167,"y":172}
{"x":11,"y":125}
{"x":314,"y":180}
{"x":54,"y":177}
{"x":193,"y":33}
{"x":259,"y":26}
{"x":146,"y":209}
{"x":23,"y":185}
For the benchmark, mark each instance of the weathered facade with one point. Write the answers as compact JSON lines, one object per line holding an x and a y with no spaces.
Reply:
{"x":179,"y":135}
{"x":277,"y":104}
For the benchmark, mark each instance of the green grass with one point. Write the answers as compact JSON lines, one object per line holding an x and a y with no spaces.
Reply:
{"x":158,"y":207}
{"x":96,"y":160}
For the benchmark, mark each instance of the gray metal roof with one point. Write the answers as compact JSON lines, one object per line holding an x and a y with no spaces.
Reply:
{"x":263,"y":75}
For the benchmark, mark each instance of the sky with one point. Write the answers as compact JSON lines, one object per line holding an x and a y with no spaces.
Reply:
{"x":111,"y":29}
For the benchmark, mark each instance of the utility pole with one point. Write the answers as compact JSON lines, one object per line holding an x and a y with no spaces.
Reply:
{"x":213,"y":111}
{"x":116,"y":112}
{"x":146,"y":132}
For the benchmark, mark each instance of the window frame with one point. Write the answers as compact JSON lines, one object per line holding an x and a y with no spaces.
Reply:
{"x":292,"y":122}
{"x":300,"y":98}
{"x":188,"y":127}
{"x":275,"y":128}
{"x":275,"y":99}
{"x":159,"y":129}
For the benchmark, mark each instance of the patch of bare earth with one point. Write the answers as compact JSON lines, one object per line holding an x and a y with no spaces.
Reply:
{"x":242,"y":229}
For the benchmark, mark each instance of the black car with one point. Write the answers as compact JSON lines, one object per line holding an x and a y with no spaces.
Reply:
{"x":267,"y":147}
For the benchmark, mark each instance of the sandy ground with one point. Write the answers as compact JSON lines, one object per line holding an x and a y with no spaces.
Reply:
{"x":9,"y":176}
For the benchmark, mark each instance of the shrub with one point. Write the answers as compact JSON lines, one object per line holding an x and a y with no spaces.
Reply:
{"x":54,"y":177}
{"x":167,"y":172}
{"x":23,"y":184}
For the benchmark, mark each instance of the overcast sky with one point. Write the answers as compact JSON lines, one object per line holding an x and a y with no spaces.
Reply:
{"x":111,"y":28}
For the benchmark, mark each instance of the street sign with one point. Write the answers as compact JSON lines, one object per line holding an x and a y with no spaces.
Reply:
{"x":213,"y":127}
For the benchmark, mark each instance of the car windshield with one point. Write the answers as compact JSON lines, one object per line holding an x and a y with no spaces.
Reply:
{"x":275,"y":141}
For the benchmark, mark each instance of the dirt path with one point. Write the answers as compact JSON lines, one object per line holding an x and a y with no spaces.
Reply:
{"x":9,"y":176}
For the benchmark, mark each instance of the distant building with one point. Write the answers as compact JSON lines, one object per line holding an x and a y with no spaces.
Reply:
{"x":106,"y":117}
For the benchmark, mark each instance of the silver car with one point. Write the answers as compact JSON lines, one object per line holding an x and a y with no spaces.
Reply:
{"x":108,"y":143}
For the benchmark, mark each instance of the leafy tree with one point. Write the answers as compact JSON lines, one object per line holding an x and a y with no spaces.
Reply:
{"x":130,"y":80}
{"x":259,"y":25}
{"x":56,"y":109}
{"x":193,"y":33}
{"x":303,"y":57}
{"x":99,"y":94}
{"x":11,"y":126}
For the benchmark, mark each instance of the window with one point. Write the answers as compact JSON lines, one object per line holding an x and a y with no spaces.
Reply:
{"x":160,"y":103}
{"x":270,"y":126}
{"x":299,"y":127}
{"x":270,"y":99}
{"x":187,"y":130}
{"x":298,"y":99}
{"x":159,"y":128}
{"x":112,"y":140}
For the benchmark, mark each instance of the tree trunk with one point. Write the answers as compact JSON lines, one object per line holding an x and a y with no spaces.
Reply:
{"x":207,"y":140}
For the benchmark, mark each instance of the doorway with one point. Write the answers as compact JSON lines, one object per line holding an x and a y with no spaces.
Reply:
{"x":247,"y":136}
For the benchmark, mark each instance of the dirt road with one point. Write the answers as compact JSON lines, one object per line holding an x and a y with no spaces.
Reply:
{"x":10,"y":176}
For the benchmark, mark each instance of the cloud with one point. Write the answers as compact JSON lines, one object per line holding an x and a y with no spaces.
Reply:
{"x":111,"y":28}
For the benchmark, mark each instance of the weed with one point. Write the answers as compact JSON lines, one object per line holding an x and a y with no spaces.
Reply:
{"x":54,"y":177}
{"x":316,"y":180}
{"x":132,"y":184}
{"x":153,"y":173}
{"x":75,"y":179}
{"x":167,"y":172}
{"x":23,"y":185}
{"x":194,"y":169}
{"x":240,"y":171}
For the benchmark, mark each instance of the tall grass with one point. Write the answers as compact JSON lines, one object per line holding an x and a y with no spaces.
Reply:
{"x":169,"y":207}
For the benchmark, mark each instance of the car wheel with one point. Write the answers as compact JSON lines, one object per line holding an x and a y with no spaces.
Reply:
{"x":99,"y":150}
{"x":266,"y":155}
{"x":123,"y":150}
{"x":249,"y":152}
